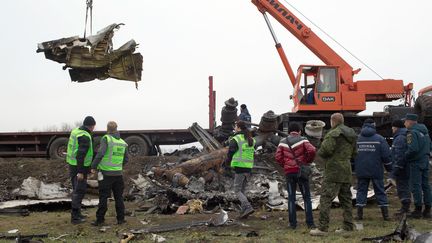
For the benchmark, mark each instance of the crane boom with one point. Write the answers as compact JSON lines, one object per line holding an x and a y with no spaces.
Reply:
{"x":304,"y":34}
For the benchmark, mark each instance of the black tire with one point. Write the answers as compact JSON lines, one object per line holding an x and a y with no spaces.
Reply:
{"x":423,"y":108}
{"x":137,"y":146}
{"x":58,"y":148}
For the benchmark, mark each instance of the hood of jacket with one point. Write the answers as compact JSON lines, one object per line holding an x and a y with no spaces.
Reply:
{"x":115,"y":135}
{"x":368,"y":130}
{"x":348,"y":133}
{"x":245,"y":111}
{"x":420,"y":127}
{"x":85,"y":129}
{"x":400,"y":131}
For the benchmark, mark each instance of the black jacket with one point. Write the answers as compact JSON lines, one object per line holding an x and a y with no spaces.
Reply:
{"x":83,"y":147}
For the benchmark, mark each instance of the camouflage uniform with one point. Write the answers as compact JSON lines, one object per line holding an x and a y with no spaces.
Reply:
{"x":337,"y":149}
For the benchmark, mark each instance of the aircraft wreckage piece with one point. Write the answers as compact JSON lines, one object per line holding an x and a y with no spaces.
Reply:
{"x":180,"y":173}
{"x":27,"y":203}
{"x":94,"y":58}
{"x":403,"y":232}
{"x":218,"y":219}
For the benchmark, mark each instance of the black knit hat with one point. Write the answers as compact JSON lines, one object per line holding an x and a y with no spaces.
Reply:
{"x":89,"y":121}
{"x":398,"y":124}
{"x":243,"y":106}
{"x":369,"y":121}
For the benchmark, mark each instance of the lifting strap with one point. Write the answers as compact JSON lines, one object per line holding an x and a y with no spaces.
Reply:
{"x":89,"y":10}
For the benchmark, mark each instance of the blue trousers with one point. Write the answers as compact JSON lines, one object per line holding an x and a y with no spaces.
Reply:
{"x":419,"y":183}
{"x":292,"y":181}
{"x":403,"y":189}
{"x":362,"y":190}
{"x":79,"y":191}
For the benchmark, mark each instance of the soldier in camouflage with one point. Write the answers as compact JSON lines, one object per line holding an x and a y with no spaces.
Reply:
{"x":337,"y":149}
{"x":417,"y":156}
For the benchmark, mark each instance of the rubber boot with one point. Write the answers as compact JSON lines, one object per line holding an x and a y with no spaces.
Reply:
{"x":359,"y":213}
{"x":417,"y":213}
{"x":403,"y":210}
{"x":384,"y":212}
{"x":427,"y":212}
{"x":75,"y":217}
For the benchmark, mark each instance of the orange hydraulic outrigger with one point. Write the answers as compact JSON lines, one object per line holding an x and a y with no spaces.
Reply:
{"x":328,"y":87}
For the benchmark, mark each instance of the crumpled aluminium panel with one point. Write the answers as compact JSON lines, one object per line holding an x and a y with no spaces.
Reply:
{"x":94,"y":57}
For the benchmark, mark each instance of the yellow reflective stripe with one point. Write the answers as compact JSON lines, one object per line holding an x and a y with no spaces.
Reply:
{"x":245,"y":153}
{"x":109,"y":161}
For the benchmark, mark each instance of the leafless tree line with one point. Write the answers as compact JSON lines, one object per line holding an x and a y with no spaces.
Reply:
{"x":63,"y":127}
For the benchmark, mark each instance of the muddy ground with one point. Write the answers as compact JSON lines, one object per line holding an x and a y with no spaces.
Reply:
{"x":15,"y":170}
{"x":263,"y":226}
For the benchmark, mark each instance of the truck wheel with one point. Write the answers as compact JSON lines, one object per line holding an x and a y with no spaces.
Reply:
{"x":423,"y":108}
{"x":58,"y":148}
{"x":137,"y":146}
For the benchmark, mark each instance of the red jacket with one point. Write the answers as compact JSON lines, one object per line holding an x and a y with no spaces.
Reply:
{"x":302,"y":150}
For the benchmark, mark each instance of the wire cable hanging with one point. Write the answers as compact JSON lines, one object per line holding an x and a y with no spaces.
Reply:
{"x":333,"y":39}
{"x":89,"y":10}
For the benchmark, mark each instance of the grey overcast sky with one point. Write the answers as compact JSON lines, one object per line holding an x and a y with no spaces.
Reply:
{"x":183,"y":42}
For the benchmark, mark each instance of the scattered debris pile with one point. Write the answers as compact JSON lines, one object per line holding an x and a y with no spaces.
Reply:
{"x":402,"y":233}
{"x":94,"y":57}
{"x":36,"y":189}
{"x":168,"y":184}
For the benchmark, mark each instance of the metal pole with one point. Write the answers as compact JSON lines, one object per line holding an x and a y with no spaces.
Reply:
{"x":271,"y":28}
{"x":211,"y":105}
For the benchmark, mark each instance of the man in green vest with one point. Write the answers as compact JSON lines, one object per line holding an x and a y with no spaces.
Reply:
{"x":109,"y":161}
{"x":79,"y":157}
{"x":240,"y":157}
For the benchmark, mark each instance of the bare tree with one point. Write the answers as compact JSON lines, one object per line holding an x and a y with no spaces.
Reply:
{"x":77,"y":123}
{"x":66,"y":127}
{"x":51,"y":128}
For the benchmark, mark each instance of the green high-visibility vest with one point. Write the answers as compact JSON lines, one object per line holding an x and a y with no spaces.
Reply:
{"x":72,"y":148}
{"x":114,"y":155}
{"x":244,"y":157}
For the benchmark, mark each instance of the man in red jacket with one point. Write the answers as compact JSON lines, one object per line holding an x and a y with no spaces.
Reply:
{"x":291,"y":153}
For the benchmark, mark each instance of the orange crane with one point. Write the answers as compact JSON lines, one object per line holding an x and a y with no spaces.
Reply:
{"x":320,"y":90}
{"x":328,"y":87}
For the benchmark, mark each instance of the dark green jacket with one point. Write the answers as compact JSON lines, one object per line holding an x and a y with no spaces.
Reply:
{"x":419,"y":144}
{"x":337,"y":149}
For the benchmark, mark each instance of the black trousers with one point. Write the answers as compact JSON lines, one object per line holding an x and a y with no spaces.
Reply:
{"x":108,"y":184}
{"x":79,"y":191}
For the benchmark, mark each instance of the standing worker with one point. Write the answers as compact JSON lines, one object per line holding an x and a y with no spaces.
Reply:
{"x":417,"y":155}
{"x":109,"y":161}
{"x":373,"y":154}
{"x":241,"y":158}
{"x":79,"y":157}
{"x":292,"y":153}
{"x":400,"y":170}
{"x":337,"y":149}
{"x":245,"y":115}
